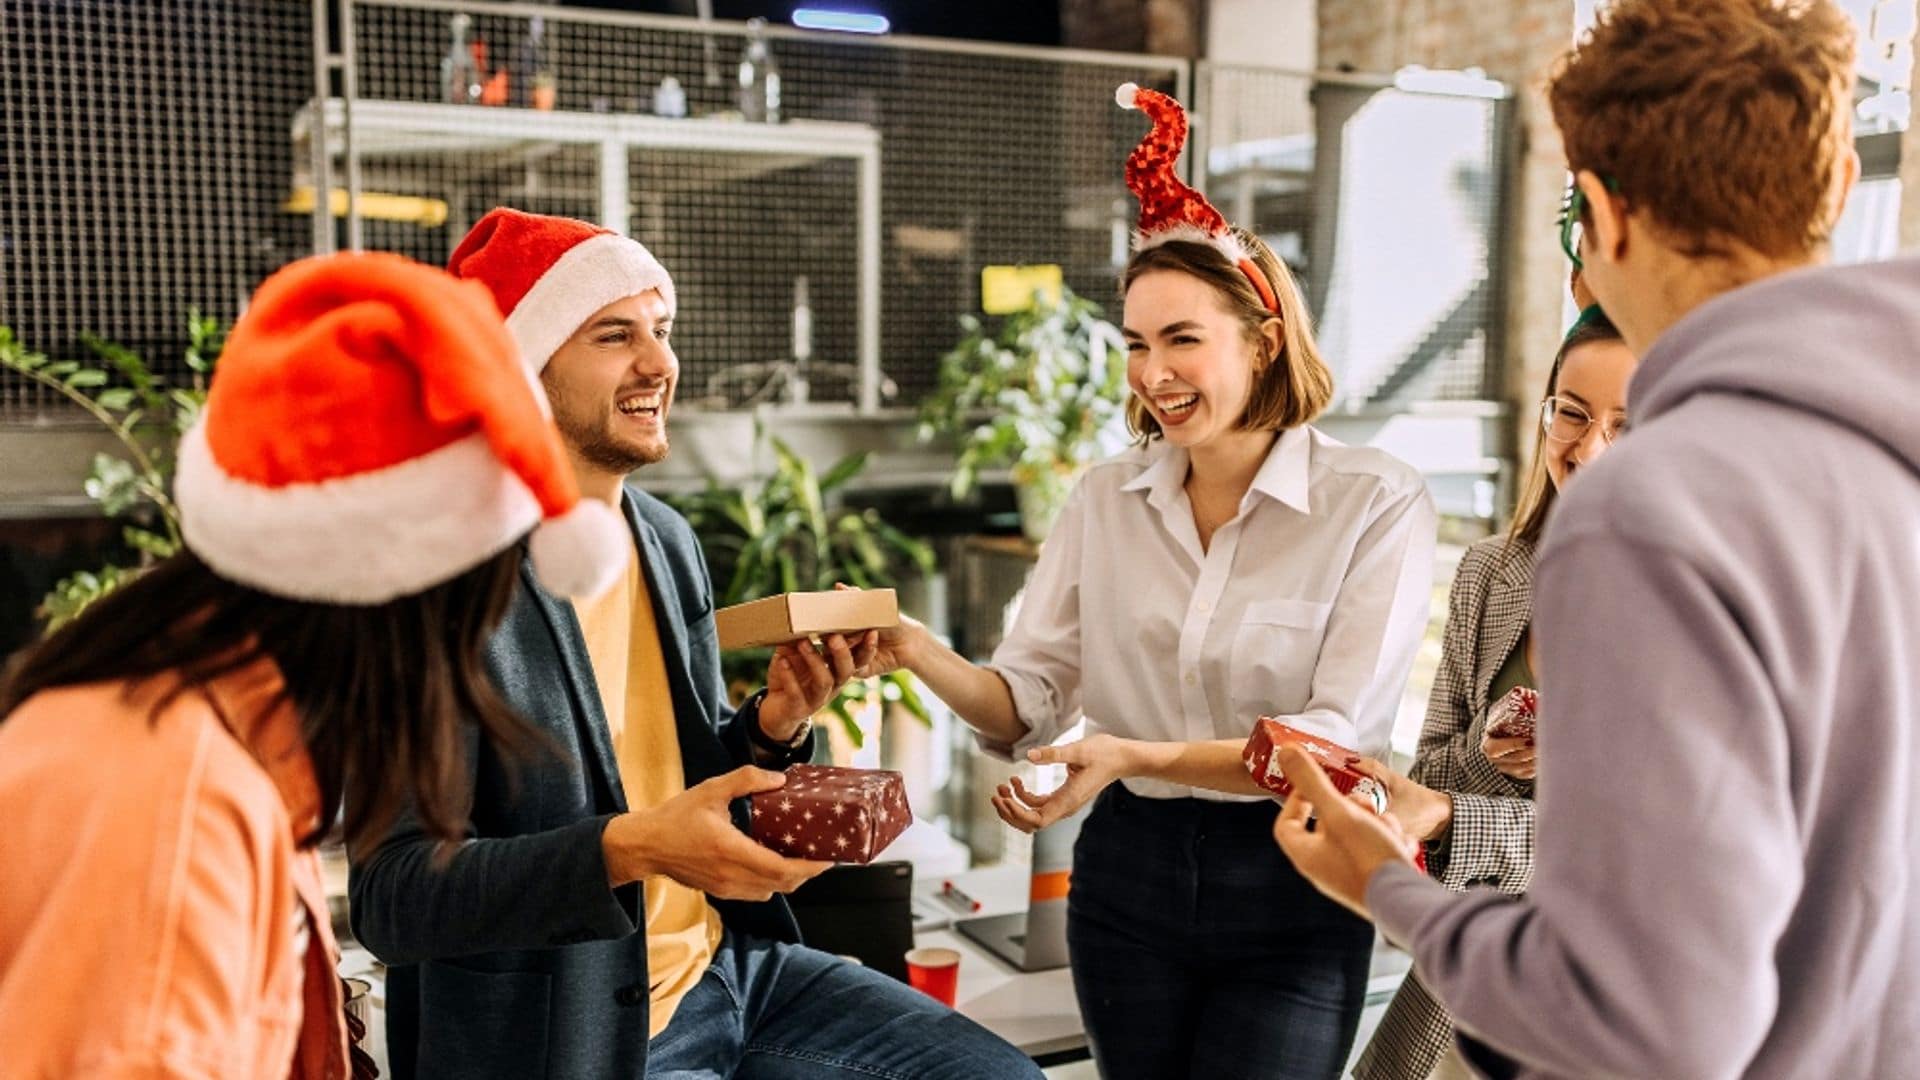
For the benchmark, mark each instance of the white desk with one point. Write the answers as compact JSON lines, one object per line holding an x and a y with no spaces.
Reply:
{"x":1035,"y":1011}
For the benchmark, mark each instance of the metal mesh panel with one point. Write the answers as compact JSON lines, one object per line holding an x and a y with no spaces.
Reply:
{"x":143,"y":161}
{"x":1386,"y":204}
{"x":1254,"y":135}
{"x":150,"y":145}
{"x":984,"y":155}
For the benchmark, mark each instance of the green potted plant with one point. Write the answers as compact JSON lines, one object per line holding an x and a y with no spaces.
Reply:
{"x":147,"y":413}
{"x":1043,"y":394}
{"x":783,"y":535}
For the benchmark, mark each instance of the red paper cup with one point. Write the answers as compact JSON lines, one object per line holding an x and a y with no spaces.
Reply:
{"x":936,"y":973}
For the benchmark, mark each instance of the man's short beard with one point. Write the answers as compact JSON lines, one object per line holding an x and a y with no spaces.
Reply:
{"x":602,"y":451}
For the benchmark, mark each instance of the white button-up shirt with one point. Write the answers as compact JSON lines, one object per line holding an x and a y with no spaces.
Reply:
{"x":1309,"y":605}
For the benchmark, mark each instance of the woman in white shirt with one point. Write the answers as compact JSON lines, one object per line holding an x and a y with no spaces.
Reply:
{"x":1238,"y":563}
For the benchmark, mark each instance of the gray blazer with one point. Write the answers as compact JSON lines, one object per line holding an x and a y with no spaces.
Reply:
{"x":1491,"y":841}
{"x":516,"y":958}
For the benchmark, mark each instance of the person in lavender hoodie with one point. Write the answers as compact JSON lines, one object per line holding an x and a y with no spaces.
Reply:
{"x":1728,"y":606}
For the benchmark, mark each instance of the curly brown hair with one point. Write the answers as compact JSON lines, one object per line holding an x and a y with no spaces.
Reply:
{"x":1724,"y":119}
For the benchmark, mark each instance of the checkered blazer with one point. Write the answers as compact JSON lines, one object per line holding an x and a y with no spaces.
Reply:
{"x":1491,"y":842}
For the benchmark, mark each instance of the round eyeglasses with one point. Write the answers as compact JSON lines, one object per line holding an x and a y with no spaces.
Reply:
{"x":1566,"y":421}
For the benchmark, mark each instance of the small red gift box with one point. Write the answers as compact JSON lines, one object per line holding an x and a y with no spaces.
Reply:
{"x":1513,"y":716}
{"x":1264,"y":765}
{"x":832,"y":814}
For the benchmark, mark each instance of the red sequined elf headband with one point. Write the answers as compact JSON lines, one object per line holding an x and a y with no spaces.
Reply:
{"x":1169,"y":209}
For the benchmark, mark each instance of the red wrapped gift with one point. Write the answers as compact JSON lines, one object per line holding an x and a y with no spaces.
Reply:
{"x":1513,"y":716}
{"x":834,"y":814}
{"x":1264,"y":765}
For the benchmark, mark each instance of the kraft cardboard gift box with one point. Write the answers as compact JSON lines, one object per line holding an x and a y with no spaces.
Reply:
{"x":796,"y":615}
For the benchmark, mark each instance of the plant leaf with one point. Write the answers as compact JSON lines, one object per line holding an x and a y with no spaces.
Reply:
{"x":910,"y":698}
{"x":843,"y":470}
{"x":838,"y":707}
{"x":149,"y":543}
{"x":113,"y":484}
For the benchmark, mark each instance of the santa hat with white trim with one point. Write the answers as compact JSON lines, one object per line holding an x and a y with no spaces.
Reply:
{"x":550,"y":274}
{"x":370,"y":433}
{"x":1169,"y":209}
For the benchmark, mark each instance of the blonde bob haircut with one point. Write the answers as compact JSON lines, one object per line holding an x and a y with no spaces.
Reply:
{"x":1289,"y":389}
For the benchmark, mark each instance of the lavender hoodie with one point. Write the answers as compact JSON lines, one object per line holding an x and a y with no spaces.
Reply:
{"x":1728,"y":611}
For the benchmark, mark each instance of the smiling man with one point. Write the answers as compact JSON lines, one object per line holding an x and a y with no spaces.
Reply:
{"x":606,"y":916}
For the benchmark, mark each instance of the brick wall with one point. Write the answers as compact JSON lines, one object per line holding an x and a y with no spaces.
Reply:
{"x":1910,"y":177}
{"x":1162,"y":27}
{"x":1515,"y":41}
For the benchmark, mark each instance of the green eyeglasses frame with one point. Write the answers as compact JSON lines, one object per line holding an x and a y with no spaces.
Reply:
{"x":1573,"y":206}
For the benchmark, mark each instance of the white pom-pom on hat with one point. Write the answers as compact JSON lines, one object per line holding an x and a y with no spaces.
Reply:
{"x":582,"y":551}
{"x":1124,"y":93}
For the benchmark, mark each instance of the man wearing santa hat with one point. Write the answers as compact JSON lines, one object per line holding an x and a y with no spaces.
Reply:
{"x":606,"y":916}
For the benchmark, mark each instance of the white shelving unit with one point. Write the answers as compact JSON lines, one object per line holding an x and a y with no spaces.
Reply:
{"x":363,"y":133}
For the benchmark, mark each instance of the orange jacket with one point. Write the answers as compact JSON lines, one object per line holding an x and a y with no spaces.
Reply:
{"x":156,"y":916}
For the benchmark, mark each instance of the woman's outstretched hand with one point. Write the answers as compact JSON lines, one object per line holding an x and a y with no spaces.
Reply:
{"x":1092,"y":763}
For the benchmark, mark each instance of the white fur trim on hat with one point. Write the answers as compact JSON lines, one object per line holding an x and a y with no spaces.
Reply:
{"x":581,"y":552}
{"x":359,"y":540}
{"x":592,"y":274}
{"x":1192,"y":234}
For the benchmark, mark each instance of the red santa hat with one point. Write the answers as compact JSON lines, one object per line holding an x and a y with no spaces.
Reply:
{"x":1169,"y":209}
{"x":370,"y":433}
{"x":549,"y":274}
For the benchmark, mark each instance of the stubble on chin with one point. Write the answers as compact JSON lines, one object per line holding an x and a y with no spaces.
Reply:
{"x":596,"y":443}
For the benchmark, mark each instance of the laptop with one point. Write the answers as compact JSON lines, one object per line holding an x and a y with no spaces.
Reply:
{"x":1035,"y":939}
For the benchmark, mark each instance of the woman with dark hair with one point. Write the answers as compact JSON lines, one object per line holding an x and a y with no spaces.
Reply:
{"x":1239,"y":562}
{"x":352,"y":499}
{"x":1469,"y":795}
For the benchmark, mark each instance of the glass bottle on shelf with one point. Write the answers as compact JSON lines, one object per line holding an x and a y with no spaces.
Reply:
{"x":670,"y":99}
{"x":459,"y":75}
{"x":798,"y":388}
{"x":534,"y":84}
{"x":759,"y":77}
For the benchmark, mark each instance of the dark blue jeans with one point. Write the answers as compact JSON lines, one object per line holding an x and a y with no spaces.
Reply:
{"x":769,"y":1011}
{"x":1198,"y":950}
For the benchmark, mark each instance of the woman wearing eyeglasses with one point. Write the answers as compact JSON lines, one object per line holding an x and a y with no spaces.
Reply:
{"x":1469,"y":795}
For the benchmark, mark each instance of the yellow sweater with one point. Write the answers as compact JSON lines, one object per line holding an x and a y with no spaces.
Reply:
{"x":683,"y":930}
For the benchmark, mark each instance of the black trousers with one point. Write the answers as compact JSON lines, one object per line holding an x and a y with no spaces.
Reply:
{"x":1198,"y":950}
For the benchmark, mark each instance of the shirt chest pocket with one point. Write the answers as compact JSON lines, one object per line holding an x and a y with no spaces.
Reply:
{"x":1275,"y":649}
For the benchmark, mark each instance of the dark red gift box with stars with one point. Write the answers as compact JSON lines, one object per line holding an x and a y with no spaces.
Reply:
{"x":832,"y":814}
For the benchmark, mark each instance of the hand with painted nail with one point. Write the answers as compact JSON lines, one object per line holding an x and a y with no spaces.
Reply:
{"x":1423,"y":812}
{"x":1514,"y":757}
